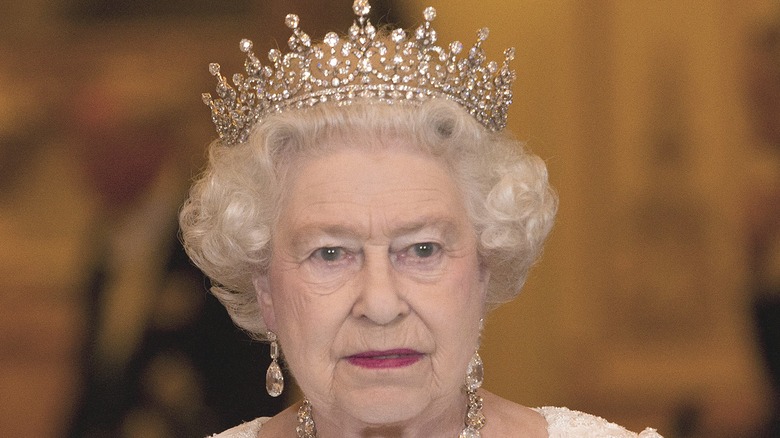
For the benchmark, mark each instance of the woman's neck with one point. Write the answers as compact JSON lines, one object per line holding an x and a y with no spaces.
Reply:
{"x":444,"y":419}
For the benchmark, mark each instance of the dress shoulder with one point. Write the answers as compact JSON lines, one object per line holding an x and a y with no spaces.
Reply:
{"x":249,"y":429}
{"x":566,"y":423}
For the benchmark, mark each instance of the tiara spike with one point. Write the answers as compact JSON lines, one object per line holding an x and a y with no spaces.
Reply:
{"x":482,"y":35}
{"x":361,"y":8}
{"x":245,"y":45}
{"x":429,"y":14}
{"x":395,"y":67}
{"x":292,"y":21}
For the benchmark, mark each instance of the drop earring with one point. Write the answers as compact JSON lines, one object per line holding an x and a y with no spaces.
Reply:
{"x":274,"y":379}
{"x":475,"y":419}
{"x":475,"y":372}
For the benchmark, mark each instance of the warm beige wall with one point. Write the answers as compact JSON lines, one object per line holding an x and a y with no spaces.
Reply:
{"x":639,"y":305}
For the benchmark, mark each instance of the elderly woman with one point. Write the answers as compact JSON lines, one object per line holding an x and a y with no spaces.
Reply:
{"x":362,"y":211}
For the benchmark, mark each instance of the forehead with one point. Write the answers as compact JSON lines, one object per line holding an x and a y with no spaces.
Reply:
{"x":394,"y":184}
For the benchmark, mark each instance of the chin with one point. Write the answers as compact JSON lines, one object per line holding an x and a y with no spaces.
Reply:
{"x":386,"y":406}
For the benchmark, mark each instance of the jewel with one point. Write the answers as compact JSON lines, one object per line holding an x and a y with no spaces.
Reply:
{"x":308,"y":428}
{"x":364,"y":65}
{"x":429,"y":13}
{"x":274,"y":55}
{"x":476,"y":54}
{"x":456,"y":47}
{"x":214,"y":68}
{"x":245,"y":45}
{"x":474,"y":373}
{"x":475,"y":419}
{"x":398,"y":35}
{"x":292,"y":21}
{"x":361,"y":7}
{"x":419,"y":33}
{"x":509,"y":54}
{"x":345,"y":48}
{"x":483,"y":33}
{"x":470,"y":432}
{"x":331,"y":39}
{"x":254,"y":68}
{"x":274,"y":380}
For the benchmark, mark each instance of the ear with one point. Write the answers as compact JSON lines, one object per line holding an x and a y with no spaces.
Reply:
{"x":265,"y":300}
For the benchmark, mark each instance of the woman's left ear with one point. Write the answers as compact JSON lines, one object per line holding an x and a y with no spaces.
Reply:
{"x":265,"y":300}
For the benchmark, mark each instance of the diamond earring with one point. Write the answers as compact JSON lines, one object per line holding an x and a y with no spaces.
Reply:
{"x":474,"y":373}
{"x":274,"y":380}
{"x":475,"y":419}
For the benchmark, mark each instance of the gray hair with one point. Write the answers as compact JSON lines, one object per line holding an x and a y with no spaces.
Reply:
{"x":228,"y":221}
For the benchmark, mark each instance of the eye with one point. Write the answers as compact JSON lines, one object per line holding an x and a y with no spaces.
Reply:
{"x":420,"y":256}
{"x":329,"y":254}
{"x":328,"y":267}
{"x":424,"y":250}
{"x":420,"y":253}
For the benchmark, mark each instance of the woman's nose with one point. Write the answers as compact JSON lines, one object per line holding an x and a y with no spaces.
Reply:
{"x":380,"y":297}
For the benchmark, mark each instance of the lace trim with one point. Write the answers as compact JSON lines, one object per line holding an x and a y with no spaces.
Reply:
{"x":566,"y":423}
{"x":249,"y":429}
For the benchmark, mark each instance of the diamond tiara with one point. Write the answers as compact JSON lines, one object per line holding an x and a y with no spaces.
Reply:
{"x":392,"y":67}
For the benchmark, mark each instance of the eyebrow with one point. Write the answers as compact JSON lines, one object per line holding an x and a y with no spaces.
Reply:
{"x":303,"y":236}
{"x":345,"y":230}
{"x":442,"y":223}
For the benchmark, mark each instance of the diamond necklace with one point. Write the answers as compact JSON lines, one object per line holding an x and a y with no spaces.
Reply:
{"x":475,"y":420}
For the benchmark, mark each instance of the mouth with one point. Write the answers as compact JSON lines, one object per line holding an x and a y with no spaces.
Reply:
{"x":385,"y":359}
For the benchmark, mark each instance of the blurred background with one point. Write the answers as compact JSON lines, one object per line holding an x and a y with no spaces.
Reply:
{"x":657,"y":299}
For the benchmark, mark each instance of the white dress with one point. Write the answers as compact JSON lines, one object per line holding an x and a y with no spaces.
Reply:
{"x":561,"y":423}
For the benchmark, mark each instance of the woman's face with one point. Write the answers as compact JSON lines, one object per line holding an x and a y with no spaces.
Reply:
{"x":375,"y":288}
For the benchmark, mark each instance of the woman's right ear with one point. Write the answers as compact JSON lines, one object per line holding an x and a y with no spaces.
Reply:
{"x":265,"y":300}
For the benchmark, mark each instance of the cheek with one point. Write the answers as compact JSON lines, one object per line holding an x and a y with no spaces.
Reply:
{"x":290,"y":301}
{"x":456,"y":306}
{"x":307,"y":321}
{"x":468,"y":286}
{"x":472,"y":301}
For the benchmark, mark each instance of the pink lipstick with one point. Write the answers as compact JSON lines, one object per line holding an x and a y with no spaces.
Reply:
{"x":397,"y":358}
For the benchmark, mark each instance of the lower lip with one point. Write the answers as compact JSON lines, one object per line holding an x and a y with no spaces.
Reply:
{"x":386,"y":360}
